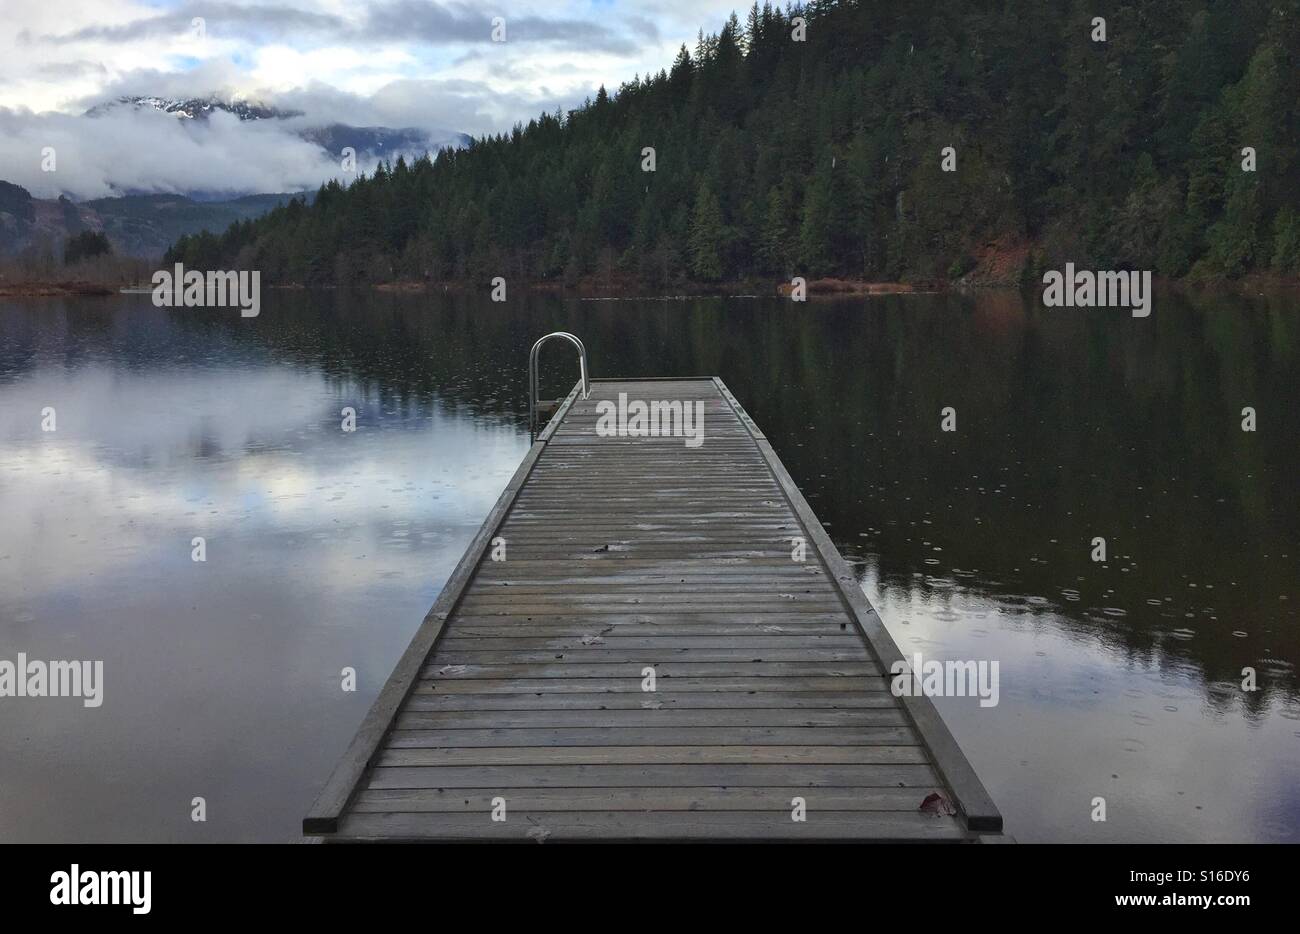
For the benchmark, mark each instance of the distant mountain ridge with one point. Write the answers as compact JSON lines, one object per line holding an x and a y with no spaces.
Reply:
{"x":379,"y":141}
{"x":136,"y":225}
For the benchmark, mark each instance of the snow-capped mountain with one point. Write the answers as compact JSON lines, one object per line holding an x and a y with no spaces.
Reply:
{"x":195,"y":108}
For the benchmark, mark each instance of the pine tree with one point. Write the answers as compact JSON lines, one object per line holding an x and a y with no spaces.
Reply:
{"x":776,"y":234}
{"x":814,"y":239}
{"x":706,"y":239}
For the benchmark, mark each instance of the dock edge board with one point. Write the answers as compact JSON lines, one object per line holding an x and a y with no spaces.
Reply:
{"x":972,"y":799}
{"x":323,"y":818}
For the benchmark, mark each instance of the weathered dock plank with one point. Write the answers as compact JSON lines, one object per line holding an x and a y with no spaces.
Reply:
{"x":664,"y":825}
{"x":525,"y":689}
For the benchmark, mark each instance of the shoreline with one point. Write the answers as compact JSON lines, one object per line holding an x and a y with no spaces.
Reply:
{"x":58,"y":289}
{"x":629,"y":290}
{"x":587,"y":289}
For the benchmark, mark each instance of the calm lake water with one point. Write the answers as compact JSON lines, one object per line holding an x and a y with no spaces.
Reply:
{"x":326,"y":548}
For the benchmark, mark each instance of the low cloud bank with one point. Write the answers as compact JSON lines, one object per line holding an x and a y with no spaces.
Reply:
{"x":145,"y":151}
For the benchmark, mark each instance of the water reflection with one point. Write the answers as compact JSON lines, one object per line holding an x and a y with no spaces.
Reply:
{"x":325,"y":548}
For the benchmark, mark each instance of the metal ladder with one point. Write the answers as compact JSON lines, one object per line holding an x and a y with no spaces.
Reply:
{"x":535,"y":406}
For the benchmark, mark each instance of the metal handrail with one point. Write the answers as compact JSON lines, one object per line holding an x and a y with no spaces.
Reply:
{"x":532,"y":373}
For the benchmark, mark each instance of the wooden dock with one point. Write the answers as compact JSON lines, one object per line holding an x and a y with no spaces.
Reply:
{"x":524,"y":690}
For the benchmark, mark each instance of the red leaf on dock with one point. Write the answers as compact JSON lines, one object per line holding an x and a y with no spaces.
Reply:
{"x":937,"y":805}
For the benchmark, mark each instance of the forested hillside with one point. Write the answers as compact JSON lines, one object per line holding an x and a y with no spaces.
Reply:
{"x":776,"y":157}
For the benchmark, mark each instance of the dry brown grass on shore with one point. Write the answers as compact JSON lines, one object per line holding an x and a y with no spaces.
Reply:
{"x":850,"y":287}
{"x":52,"y":289}
{"x":35,"y":275}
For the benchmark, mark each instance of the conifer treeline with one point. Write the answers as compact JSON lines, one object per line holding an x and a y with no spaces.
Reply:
{"x":776,"y":157}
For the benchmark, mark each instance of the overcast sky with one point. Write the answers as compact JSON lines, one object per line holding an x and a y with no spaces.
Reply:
{"x":366,"y":62}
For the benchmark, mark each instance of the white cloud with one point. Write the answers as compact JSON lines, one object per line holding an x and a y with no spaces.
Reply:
{"x":282,"y":68}
{"x":369,"y":62}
